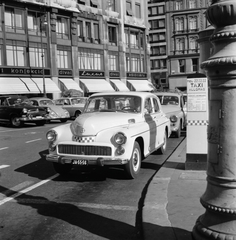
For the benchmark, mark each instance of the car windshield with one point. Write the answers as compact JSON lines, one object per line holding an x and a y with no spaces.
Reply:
{"x":114,"y":103}
{"x":169,"y":100}
{"x":46,"y":102}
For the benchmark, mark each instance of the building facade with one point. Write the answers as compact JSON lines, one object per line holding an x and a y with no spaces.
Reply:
{"x":49,"y":46}
{"x":174,"y":28}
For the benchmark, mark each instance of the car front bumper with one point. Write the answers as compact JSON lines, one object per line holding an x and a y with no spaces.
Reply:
{"x":99,"y":161}
{"x":31,"y":119}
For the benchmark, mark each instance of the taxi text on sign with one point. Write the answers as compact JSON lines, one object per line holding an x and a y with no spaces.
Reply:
{"x":197,"y":117}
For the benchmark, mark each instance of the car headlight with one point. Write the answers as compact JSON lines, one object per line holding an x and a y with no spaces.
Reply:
{"x":173,"y":118}
{"x":66,"y":112}
{"x":51,"y":135}
{"x":120,"y":138}
{"x":24,"y":110}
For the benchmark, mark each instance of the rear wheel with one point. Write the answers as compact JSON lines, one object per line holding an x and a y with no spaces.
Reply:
{"x":77,"y":113}
{"x":132,"y":168}
{"x":63,"y":120}
{"x":40,"y":123}
{"x":62,"y":169}
{"x":15,"y":121}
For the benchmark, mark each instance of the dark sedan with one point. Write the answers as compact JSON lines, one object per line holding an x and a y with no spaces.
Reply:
{"x":15,"y":112}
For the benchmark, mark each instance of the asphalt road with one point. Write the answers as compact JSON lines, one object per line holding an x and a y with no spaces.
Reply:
{"x":37,"y":204}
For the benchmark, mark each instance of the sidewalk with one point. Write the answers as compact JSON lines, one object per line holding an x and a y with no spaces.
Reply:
{"x":172,"y":204}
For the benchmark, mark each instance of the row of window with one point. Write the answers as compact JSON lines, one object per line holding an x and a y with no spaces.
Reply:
{"x":156,"y":10}
{"x":133,"y":11}
{"x":180,"y":4}
{"x":88,"y":59}
{"x":191,"y":23}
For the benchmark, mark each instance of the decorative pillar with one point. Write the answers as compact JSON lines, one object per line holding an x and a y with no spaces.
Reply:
{"x":219,"y":220}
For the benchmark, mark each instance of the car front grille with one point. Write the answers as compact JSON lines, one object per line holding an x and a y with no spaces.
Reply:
{"x":84,"y":150}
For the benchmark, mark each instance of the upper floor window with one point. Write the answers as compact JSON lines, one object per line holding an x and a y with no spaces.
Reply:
{"x":129,"y":11}
{"x":14,"y":20}
{"x":88,"y":30}
{"x":193,"y":23}
{"x":111,"y":5}
{"x":156,"y":37}
{"x":137,"y":10}
{"x":193,"y":43}
{"x":134,"y":38}
{"x":134,"y":63}
{"x":158,"y":63}
{"x":112,"y":35}
{"x":35,"y":23}
{"x":158,"y":50}
{"x":179,"y":24}
{"x":156,"y":10}
{"x":182,"y":65}
{"x":94,"y":3}
{"x":192,"y":3}
{"x":180,"y":44}
{"x":63,"y":28}
{"x":195,"y":64}
{"x":80,"y":29}
{"x":96,"y":32}
{"x":81,"y":2}
{"x":38,"y":55}
{"x":178,"y":4}
{"x":157,"y":23}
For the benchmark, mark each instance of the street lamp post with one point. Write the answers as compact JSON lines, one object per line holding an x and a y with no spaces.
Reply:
{"x":42,"y":27}
{"x":219,"y":220}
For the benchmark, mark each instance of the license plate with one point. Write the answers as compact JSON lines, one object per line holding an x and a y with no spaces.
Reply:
{"x":80,"y":162}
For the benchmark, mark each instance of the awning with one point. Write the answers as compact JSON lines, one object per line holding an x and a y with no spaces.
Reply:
{"x":97,"y":85}
{"x":70,"y":84}
{"x":50,"y":86}
{"x":12,"y":86}
{"x":31,"y":85}
{"x":118,"y":85}
{"x":141,"y":85}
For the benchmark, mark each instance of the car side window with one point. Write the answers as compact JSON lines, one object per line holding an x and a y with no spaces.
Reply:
{"x":148,"y":106}
{"x":156,"y":105}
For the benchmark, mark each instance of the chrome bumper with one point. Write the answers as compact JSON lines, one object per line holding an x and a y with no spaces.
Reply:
{"x":91,"y":161}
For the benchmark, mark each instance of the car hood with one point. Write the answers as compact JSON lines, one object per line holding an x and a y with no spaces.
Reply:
{"x":92,"y":123}
{"x":168,"y":109}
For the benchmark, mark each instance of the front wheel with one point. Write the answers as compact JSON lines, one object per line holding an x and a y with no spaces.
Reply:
{"x":132,"y":168}
{"x":77,"y":113}
{"x":62,"y":169}
{"x":15,"y":121}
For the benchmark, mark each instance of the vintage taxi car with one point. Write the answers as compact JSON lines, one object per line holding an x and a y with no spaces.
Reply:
{"x":173,"y":105}
{"x":14,"y":111}
{"x":115,"y":129}
{"x":74,"y":105}
{"x":55,"y":112}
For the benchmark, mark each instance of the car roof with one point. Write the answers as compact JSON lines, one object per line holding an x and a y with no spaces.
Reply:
{"x":168,"y":93}
{"x":39,"y":98}
{"x":131,"y":93}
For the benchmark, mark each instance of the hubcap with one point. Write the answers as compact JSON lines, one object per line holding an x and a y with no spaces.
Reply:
{"x":135,"y":160}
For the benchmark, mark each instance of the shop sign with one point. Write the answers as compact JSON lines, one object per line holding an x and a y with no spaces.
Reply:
{"x":65,"y":72}
{"x":114,"y":74}
{"x":137,"y":75}
{"x":91,"y":74}
{"x":24,"y":71}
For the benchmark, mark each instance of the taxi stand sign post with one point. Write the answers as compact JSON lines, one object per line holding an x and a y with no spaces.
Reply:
{"x":197,"y":121}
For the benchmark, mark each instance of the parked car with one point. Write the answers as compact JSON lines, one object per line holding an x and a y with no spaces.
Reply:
{"x":16,"y":112}
{"x":173,"y":105}
{"x":74,"y":105}
{"x":55,"y":112}
{"x":118,"y":128}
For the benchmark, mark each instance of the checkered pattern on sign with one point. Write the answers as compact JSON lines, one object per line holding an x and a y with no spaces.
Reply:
{"x":87,"y":139}
{"x":197,"y":122}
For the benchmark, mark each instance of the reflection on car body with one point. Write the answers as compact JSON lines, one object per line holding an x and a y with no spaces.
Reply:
{"x":117,"y":128}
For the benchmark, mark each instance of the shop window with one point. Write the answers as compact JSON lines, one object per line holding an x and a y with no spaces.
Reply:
{"x":16,"y":53}
{"x":64,"y":57}
{"x":90,"y":59}
{"x":113,"y":61}
{"x":38,"y":55}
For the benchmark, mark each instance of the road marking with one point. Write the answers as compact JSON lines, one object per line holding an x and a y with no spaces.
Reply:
{"x":34,"y":140}
{"x":4,"y":148}
{"x":4,"y":166}
{"x":7,"y":199}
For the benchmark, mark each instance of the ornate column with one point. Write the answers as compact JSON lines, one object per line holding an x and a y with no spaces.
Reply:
{"x":219,"y":200}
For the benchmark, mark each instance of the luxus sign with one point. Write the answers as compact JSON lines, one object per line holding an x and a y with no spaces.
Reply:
{"x":197,"y":122}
